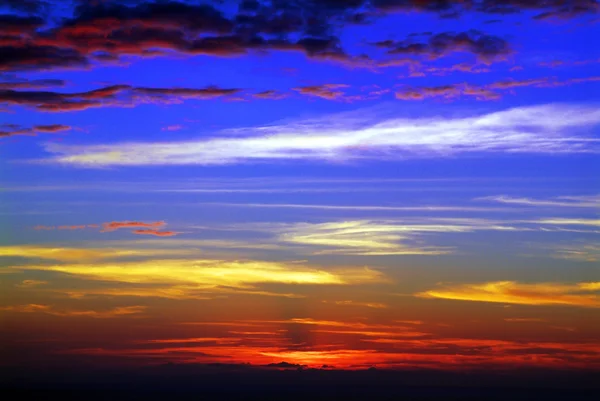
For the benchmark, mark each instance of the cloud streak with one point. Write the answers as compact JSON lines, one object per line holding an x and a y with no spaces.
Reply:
{"x":98,"y":314}
{"x":511,"y":292}
{"x":581,"y":201}
{"x":546,"y":129}
{"x":198,"y":278}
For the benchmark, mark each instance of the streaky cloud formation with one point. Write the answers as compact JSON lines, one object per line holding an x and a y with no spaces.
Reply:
{"x":383,"y":237}
{"x":585,"y":201}
{"x":578,"y":252}
{"x":511,"y":292}
{"x":109,"y":96}
{"x":120,"y":311}
{"x":71,"y":254}
{"x":184,"y":278}
{"x":553,"y":128}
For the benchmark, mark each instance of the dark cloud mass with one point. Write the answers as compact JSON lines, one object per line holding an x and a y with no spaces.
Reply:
{"x":105,"y":30}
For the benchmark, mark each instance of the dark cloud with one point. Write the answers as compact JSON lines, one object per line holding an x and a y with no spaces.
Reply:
{"x":7,"y":130}
{"x":17,"y":24}
{"x":52,"y":128}
{"x":563,"y":8}
{"x":100,"y":31}
{"x":31,"y":84}
{"x":486,"y":47}
{"x":28,"y":6}
{"x":110,"y":96}
{"x":326,"y":91}
{"x":30,"y":56}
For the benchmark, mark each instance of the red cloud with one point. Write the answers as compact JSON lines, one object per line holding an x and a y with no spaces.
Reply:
{"x":115,"y":225}
{"x":110,"y":96}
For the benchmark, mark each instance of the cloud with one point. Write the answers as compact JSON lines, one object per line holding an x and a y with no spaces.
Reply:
{"x":445,"y":91}
{"x":544,"y":82}
{"x":67,"y":254}
{"x":31,"y":283}
{"x":376,"y":305}
{"x":31,"y":83}
{"x":14,"y":129}
{"x":141,"y":227}
{"x":175,"y":127}
{"x":112,"y":29}
{"x":547,"y":129}
{"x":578,"y":252}
{"x":326,"y":91}
{"x":524,"y":320}
{"x":76,"y":227}
{"x":486,"y":47}
{"x":491,"y":91}
{"x":187,"y":278}
{"x":155,"y":233}
{"x":397,"y":352}
{"x":583,"y":201}
{"x":511,"y":292}
{"x":362,"y":237}
{"x":109,"y":96}
{"x":106,"y":314}
{"x":52,"y":128}
{"x":96,"y":31}
{"x":269,"y":94}
{"x":383,"y":237}
{"x":568,"y":221}
{"x":28,"y":6}
{"x":39,"y":57}
{"x":115,"y":225}
{"x":431,"y":208}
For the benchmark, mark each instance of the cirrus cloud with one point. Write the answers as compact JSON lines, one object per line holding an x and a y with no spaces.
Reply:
{"x":547,"y":129}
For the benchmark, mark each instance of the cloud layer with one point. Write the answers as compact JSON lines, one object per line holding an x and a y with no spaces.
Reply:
{"x":549,"y":129}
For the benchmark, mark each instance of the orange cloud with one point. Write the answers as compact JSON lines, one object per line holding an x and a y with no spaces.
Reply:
{"x":511,"y":292}
{"x":524,"y":320}
{"x":450,"y":353}
{"x":355,"y":303}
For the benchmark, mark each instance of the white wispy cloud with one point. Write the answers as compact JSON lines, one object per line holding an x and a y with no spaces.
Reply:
{"x":560,"y":201}
{"x":387,"y":237}
{"x":559,"y":221}
{"x":369,"y":208}
{"x":551,"y":128}
{"x":579,"y":252}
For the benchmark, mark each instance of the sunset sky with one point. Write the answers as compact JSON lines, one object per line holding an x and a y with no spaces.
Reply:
{"x":340,"y":183}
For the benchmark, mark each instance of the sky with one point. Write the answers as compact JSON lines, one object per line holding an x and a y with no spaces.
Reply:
{"x":336,"y":184}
